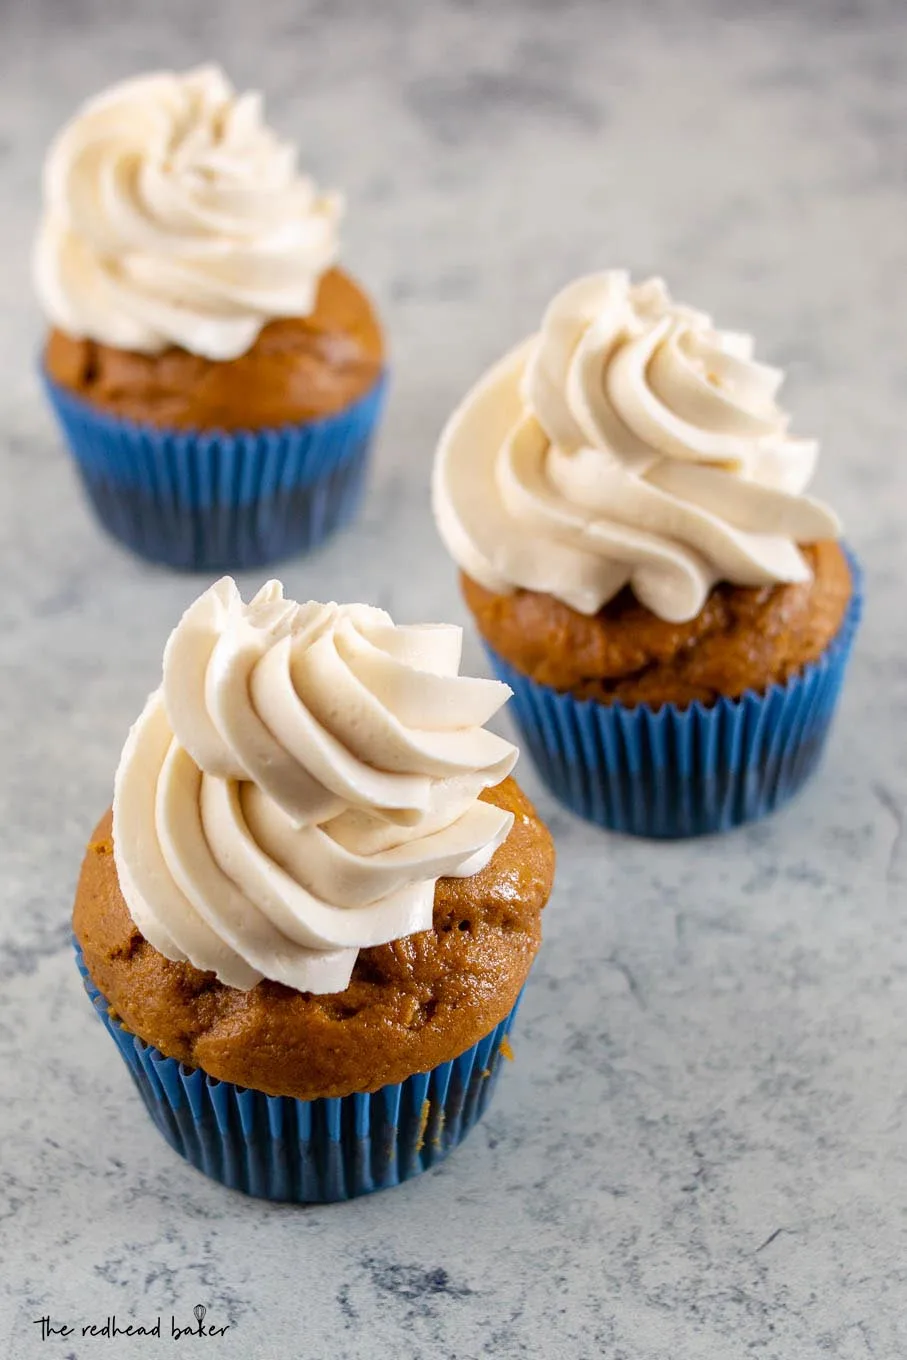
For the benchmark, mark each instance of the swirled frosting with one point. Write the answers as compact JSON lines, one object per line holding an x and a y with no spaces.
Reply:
{"x":628,"y":443}
{"x":175,"y":216}
{"x":298,"y":783}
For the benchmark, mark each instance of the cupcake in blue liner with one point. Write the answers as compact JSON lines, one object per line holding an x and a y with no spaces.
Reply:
{"x":207,"y":501}
{"x":673,"y":612}
{"x":216,"y":377}
{"x":311,"y":1151}
{"x":308,"y":918}
{"x":671,"y":771}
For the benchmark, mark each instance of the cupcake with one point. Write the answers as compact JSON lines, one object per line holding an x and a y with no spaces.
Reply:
{"x":629,"y":513}
{"x":308,"y":918}
{"x":216,"y":376}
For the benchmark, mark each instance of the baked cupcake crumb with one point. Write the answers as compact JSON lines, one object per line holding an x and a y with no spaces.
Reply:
{"x":410,"y":1005}
{"x":298,"y":369}
{"x":743,"y":639}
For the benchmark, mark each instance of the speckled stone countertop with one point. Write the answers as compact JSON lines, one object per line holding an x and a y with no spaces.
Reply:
{"x":700,"y":1152}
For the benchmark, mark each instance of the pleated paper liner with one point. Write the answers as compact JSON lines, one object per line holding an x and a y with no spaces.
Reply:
{"x":310,"y":1151}
{"x":672,"y":772}
{"x":216,"y":501}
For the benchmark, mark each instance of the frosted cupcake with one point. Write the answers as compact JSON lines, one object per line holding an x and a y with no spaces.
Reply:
{"x":309,"y":916}
{"x":217,"y":377}
{"x":672,"y":610}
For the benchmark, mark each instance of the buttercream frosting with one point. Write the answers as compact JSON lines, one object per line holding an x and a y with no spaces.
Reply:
{"x":297,"y":784}
{"x":628,"y":443}
{"x":175,"y":216}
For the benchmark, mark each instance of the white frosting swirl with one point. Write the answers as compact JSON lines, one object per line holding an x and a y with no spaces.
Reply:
{"x":175,"y":216}
{"x":627,"y":443}
{"x":297,"y":785}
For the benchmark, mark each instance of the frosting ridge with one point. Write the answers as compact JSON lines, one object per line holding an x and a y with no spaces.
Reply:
{"x":628,"y":443}
{"x":175,"y":216}
{"x":298,"y":783}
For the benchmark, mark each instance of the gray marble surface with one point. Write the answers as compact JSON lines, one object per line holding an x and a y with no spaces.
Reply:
{"x":700,"y":1151}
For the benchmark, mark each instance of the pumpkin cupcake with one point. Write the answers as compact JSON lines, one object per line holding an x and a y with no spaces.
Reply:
{"x":673,"y":611}
{"x":216,"y":376}
{"x":308,"y":918}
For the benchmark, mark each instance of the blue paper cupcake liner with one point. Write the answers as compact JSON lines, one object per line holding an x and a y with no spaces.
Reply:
{"x":670,"y":772}
{"x":309,"y":1151}
{"x":215,"y":501}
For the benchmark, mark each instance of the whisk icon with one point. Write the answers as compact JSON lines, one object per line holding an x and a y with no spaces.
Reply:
{"x":199,"y":1310}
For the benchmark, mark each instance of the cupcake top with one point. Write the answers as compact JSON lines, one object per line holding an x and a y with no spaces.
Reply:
{"x":297,"y":784}
{"x":627,"y":443}
{"x":174,"y":216}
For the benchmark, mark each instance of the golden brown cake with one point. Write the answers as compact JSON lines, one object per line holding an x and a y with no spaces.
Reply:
{"x":410,"y":1005}
{"x":298,"y":369}
{"x":742,"y":639}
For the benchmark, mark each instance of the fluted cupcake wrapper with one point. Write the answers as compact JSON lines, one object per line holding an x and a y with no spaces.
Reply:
{"x":216,"y":501}
{"x":310,"y":1151}
{"x":672,"y":772}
